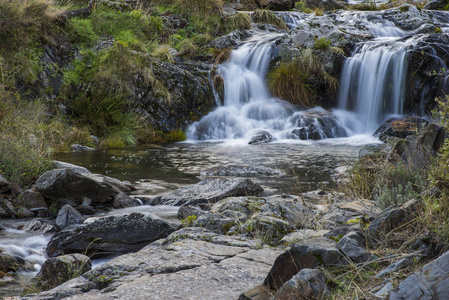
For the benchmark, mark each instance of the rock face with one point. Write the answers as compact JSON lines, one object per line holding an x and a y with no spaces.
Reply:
{"x":67,"y":215}
{"x":399,"y":127}
{"x":277,"y":4}
{"x":58,"y":270}
{"x":430,"y":282}
{"x":211,"y":191}
{"x":111,"y":234}
{"x":65,"y":183}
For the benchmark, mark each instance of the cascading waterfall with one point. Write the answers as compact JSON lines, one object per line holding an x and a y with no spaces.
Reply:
{"x":372,"y":83}
{"x":249,"y":109}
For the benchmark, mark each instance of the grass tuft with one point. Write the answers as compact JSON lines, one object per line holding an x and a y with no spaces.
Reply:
{"x":268,"y":17}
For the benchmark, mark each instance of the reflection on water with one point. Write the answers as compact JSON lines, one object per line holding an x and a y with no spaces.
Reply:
{"x":308,"y":165}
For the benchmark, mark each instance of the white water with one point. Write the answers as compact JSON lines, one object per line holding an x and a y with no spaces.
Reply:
{"x":249,"y":108}
{"x":372,"y":82}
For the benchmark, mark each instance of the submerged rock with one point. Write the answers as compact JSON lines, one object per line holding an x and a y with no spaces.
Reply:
{"x":212,"y":190}
{"x":111,"y":234}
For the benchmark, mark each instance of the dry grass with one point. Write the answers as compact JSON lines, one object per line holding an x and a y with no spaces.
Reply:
{"x":241,"y":21}
{"x":201,"y":6}
{"x":268,"y":17}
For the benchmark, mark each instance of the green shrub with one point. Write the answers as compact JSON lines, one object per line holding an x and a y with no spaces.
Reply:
{"x":322,"y":43}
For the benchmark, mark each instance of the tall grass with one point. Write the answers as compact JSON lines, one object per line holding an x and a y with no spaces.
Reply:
{"x":268,"y":17}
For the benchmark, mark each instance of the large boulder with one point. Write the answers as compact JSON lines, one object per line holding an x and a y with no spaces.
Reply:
{"x":212,"y":190}
{"x":58,"y":270}
{"x":277,"y":4}
{"x":67,"y":216}
{"x":110,"y":234}
{"x":30,"y":199}
{"x":65,"y":183}
{"x":430,"y":282}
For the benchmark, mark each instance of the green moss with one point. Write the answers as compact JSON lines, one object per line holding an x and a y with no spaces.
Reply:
{"x":322,"y":43}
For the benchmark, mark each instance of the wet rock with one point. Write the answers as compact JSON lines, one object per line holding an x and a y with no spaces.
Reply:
{"x":10,"y":263}
{"x":58,"y":270}
{"x":122,"y":200}
{"x":86,"y":210}
{"x":261,"y":137}
{"x":277,"y":4}
{"x":353,"y":245}
{"x":65,"y":183}
{"x":230,"y":40}
{"x":111,"y":234}
{"x":38,"y":226}
{"x":67,"y":216}
{"x":240,"y":171}
{"x":30,"y":198}
{"x":307,"y":284}
{"x":399,"y":127}
{"x":5,"y":184}
{"x":430,"y":282}
{"x":188,"y":210}
{"x":211,"y":190}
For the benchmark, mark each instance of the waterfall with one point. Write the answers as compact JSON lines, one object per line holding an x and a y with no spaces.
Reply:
{"x":372,"y":83}
{"x":250,"y":110}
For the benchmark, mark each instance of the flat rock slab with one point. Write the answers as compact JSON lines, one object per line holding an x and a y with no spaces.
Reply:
{"x":186,"y":269}
{"x":211,"y":191}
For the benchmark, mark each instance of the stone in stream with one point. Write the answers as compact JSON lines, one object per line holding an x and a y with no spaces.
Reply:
{"x":261,"y":137}
{"x":67,"y":216}
{"x":10,"y":263}
{"x":211,"y":190}
{"x":110,"y":234}
{"x":65,"y":183}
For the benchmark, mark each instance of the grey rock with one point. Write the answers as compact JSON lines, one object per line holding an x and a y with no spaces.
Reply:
{"x":353,"y":245}
{"x":75,"y":168}
{"x":65,"y":183}
{"x":67,"y":216}
{"x":339,"y":232}
{"x":180,"y":270}
{"x":240,"y":171}
{"x":111,"y":234}
{"x":261,"y":137}
{"x":430,"y":282}
{"x":122,"y":200}
{"x":222,"y":222}
{"x":270,"y":228}
{"x":307,"y":284}
{"x":301,"y":235}
{"x":23,"y":212}
{"x":38,"y":226}
{"x":5,"y":184}
{"x":58,"y":270}
{"x":10,"y":263}
{"x":435,"y":4}
{"x":30,"y":198}
{"x":188,"y":210}
{"x":212,"y":190}
{"x":403,"y":262}
{"x":324,"y":249}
